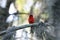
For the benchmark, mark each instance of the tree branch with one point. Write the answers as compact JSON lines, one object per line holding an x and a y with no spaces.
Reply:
{"x":18,"y":27}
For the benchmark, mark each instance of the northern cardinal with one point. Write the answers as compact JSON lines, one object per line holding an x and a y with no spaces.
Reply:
{"x":31,"y":21}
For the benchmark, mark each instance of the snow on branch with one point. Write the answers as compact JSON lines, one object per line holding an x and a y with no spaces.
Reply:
{"x":18,"y":27}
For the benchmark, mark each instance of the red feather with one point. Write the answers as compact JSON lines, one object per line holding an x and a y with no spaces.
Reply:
{"x":31,"y":19}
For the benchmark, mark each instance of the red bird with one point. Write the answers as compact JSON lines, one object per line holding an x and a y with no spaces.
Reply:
{"x":31,"y":21}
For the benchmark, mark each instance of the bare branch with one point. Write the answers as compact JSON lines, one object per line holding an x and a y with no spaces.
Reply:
{"x":17,"y":28}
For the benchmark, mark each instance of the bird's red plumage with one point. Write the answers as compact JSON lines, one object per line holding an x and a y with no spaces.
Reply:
{"x":31,"y":19}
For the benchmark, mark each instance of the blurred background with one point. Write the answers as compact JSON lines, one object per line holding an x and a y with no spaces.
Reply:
{"x":17,"y":13}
